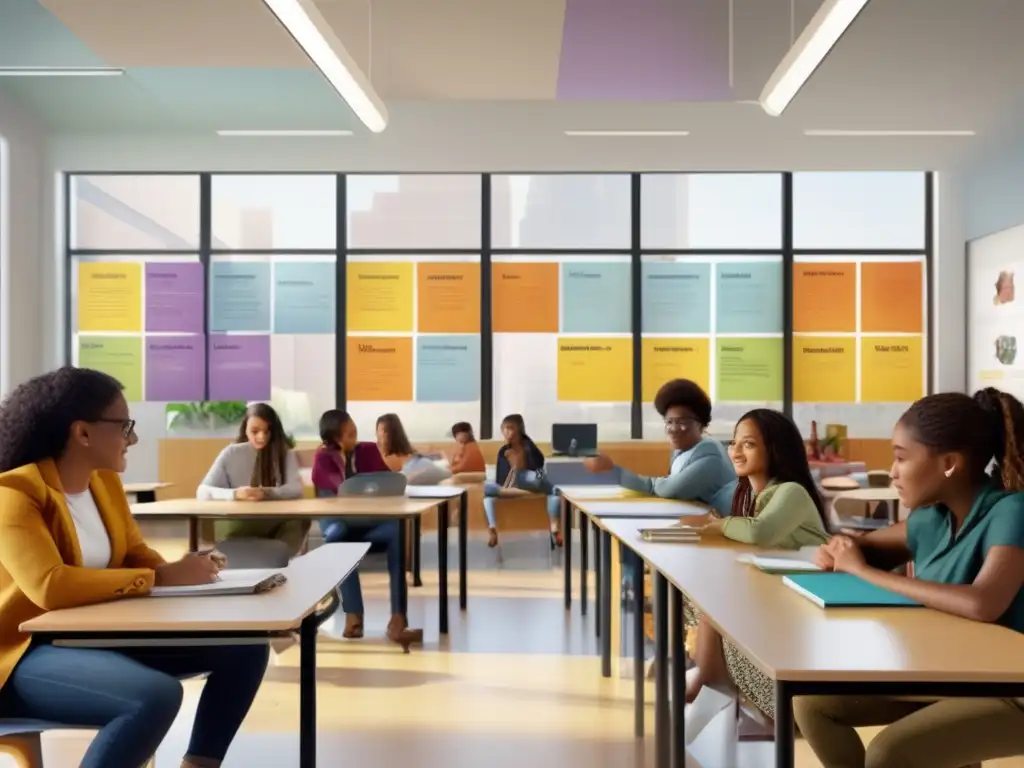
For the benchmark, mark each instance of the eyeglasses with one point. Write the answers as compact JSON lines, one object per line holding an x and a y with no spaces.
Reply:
{"x":127,"y":425}
{"x":681,"y":425}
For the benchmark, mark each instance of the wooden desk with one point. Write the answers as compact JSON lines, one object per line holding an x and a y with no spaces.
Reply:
{"x":249,"y":618}
{"x":363,"y":507}
{"x":809,"y":651}
{"x":144,"y":493}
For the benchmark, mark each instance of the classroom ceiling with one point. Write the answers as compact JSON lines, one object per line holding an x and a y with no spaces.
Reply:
{"x":203,"y":65}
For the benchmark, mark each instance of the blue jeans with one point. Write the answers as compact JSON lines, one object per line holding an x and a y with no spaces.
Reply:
{"x":382,"y":537}
{"x":491,"y":491}
{"x":132,"y":695}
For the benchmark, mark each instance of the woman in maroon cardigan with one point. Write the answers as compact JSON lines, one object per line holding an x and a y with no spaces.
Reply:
{"x":341,"y":456}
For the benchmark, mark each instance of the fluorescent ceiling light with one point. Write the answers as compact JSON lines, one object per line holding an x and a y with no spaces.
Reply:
{"x":61,"y":71}
{"x":824,"y":30}
{"x":880,"y":133}
{"x":316,"y":38}
{"x":627,"y":133}
{"x":294,"y":134}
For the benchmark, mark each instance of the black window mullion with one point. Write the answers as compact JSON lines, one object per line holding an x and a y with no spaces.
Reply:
{"x":787,"y":294}
{"x":205,"y":239}
{"x":68,"y":268}
{"x":486,"y":331}
{"x":636,"y":426}
{"x":341,"y":292}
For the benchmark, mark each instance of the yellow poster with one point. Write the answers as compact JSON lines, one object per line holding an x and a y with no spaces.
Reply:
{"x":891,"y":369}
{"x":595,"y":370}
{"x":679,"y":358}
{"x":379,"y":296}
{"x":824,"y":369}
{"x":109,"y":296}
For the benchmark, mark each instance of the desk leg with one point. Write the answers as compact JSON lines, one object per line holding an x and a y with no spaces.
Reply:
{"x":567,"y":541}
{"x":639,"y":641}
{"x":662,"y":720}
{"x":417,"y":546}
{"x":193,"y":535}
{"x":402,"y":544}
{"x":463,"y":546}
{"x":307,"y":692}
{"x":598,"y":591}
{"x":584,"y":565}
{"x":678,"y":671}
{"x":784,"y":747}
{"x":606,"y":609}
{"x":442,"y":566}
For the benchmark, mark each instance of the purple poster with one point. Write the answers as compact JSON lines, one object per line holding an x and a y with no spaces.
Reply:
{"x":174,"y":297}
{"x":239,"y":367}
{"x":175,"y":368}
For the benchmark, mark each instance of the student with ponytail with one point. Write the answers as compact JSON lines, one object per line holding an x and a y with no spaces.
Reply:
{"x":965,"y":536}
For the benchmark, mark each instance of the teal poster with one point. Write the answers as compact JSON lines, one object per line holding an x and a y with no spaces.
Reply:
{"x":676,"y":297}
{"x":595,"y":297}
{"x":749,"y":297}
{"x":448,"y":369}
{"x":239,"y":296}
{"x":304,"y":297}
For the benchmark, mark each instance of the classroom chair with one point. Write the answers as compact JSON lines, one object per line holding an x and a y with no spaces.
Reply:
{"x":255,"y":553}
{"x":20,"y":738}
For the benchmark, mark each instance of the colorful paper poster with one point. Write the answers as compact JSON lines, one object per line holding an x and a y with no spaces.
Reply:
{"x":379,"y":368}
{"x":676,"y":297}
{"x":379,"y":296}
{"x":174,"y":297}
{"x":109,"y":296}
{"x":448,"y":369}
{"x":239,"y":296}
{"x":596,"y":297}
{"x":304,"y":296}
{"x":595,"y":370}
{"x":448,"y":297}
{"x":891,"y":369}
{"x":824,"y":369}
{"x":665,"y":359}
{"x":524,"y":297}
{"x":117,"y":356}
{"x":892,"y":297}
{"x":748,"y":295}
{"x":239,"y":367}
{"x":749,"y":370}
{"x":175,"y":368}
{"x":824,"y":297}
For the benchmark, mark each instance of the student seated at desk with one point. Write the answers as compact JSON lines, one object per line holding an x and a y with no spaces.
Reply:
{"x":965,"y":536}
{"x":520,"y":468}
{"x":400,"y":456}
{"x":260,"y":465}
{"x":776,"y":504}
{"x":466,"y":456}
{"x":339,"y":457}
{"x":67,"y":539}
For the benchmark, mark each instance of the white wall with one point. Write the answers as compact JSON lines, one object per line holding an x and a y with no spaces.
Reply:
{"x":994,"y":186}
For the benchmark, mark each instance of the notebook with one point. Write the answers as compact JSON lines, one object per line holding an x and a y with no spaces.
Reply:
{"x":773,"y":564}
{"x":673,"y":534}
{"x":842,"y":590}
{"x":239,"y":581}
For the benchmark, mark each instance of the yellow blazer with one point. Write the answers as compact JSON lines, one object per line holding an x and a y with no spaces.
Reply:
{"x":40,"y":559}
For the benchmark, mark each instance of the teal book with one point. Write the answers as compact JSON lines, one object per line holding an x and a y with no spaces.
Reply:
{"x":843,"y":590}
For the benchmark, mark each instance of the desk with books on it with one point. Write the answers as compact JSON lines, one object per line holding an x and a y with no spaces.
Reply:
{"x":221,"y":619}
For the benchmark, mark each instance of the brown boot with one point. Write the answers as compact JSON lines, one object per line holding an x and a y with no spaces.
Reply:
{"x":492,"y":537}
{"x":353,"y":626}
{"x":399,"y":632}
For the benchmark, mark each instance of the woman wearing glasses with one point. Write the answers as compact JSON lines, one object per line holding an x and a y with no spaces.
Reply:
{"x":67,"y":539}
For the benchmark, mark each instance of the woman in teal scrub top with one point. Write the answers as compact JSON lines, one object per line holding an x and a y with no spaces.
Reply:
{"x":965,"y":537}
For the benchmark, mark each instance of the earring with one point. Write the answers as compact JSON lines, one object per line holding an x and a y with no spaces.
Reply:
{"x":949,"y":472}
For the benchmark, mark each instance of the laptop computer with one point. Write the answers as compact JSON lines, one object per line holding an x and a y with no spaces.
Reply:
{"x":374,"y":484}
{"x":574,"y":440}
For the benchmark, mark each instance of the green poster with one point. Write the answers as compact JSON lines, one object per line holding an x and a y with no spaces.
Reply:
{"x":119,"y":356}
{"x":749,"y":370}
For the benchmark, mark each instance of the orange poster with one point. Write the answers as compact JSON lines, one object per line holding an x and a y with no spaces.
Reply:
{"x":448,"y":297}
{"x":892,"y":297}
{"x":824,"y":297}
{"x":524,"y":297}
{"x":379,"y":368}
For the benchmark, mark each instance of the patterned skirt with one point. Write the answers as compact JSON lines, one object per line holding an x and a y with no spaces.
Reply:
{"x":755,"y":685}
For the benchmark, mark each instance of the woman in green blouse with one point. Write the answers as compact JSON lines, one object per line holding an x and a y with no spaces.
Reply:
{"x":776,"y":504}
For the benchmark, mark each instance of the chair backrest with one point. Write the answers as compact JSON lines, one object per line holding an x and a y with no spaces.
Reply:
{"x":374,"y":484}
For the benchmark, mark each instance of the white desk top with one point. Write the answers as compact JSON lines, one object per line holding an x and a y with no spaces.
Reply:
{"x":433,"y":491}
{"x":337,"y":506}
{"x":646,"y":508}
{"x":870,"y":494}
{"x":144,"y":487}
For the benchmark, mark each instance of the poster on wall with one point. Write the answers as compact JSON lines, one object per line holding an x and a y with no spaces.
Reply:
{"x":995,"y":315}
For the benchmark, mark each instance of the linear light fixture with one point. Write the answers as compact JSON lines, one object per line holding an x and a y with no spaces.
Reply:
{"x":838,"y":133}
{"x":640,"y":133}
{"x":61,"y":71}
{"x":833,"y":18}
{"x":316,"y":38}
{"x":289,"y":134}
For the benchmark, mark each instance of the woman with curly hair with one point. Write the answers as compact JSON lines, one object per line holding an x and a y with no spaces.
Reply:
{"x":67,"y":539}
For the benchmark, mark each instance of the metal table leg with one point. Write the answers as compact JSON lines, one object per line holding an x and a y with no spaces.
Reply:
{"x":307,"y":692}
{"x":442,"y":566}
{"x":463,"y":546}
{"x":662,"y":719}
{"x":567,"y":542}
{"x":678,"y":681}
{"x":584,"y":565}
{"x":606,"y":612}
{"x":639,"y":641}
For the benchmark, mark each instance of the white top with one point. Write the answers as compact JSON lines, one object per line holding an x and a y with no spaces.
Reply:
{"x":93,"y":539}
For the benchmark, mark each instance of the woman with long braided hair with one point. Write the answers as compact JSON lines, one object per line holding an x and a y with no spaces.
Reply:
{"x":958,"y":467}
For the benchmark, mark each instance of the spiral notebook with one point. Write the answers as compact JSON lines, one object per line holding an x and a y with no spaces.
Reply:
{"x":238,"y":581}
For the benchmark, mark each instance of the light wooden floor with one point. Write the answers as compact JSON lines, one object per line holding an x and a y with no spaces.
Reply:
{"x":517,"y":684}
